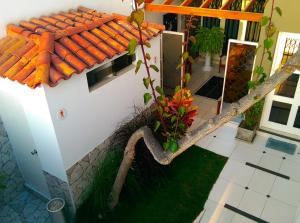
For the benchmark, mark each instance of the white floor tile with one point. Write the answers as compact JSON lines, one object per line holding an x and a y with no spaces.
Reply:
{"x":215,"y":214}
{"x":295,"y":157}
{"x":237,"y":218}
{"x":287,"y":191}
{"x":225,"y":216}
{"x":270,"y":162}
{"x":237,"y":172}
{"x":278,"y":212}
{"x":262,"y":182}
{"x":226,"y":192}
{"x":226,"y":132}
{"x":291,"y":169}
{"x":259,"y":142}
{"x":246,"y":154}
{"x":222,"y":147}
{"x":253,"y":203}
{"x":203,"y":143}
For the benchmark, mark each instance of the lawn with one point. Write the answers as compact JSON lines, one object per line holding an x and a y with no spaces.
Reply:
{"x":173,"y":194}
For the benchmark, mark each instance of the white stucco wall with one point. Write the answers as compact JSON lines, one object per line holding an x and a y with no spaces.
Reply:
{"x":13,"y":11}
{"x":91,"y":117}
{"x":26,"y":117}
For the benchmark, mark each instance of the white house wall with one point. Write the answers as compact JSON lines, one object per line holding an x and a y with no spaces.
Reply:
{"x":91,"y":117}
{"x":27,"y":120}
{"x":13,"y":11}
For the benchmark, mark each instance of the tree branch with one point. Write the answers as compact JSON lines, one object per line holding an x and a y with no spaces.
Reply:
{"x":165,"y":157}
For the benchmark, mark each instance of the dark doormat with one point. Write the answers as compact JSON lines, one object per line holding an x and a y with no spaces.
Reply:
{"x":213,"y":88}
{"x":281,"y":146}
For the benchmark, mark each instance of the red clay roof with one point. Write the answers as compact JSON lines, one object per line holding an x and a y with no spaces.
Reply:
{"x":51,"y":48}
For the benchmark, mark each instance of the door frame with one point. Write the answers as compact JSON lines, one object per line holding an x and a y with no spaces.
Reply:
{"x":286,"y":130}
{"x":227,"y":57}
{"x":162,"y":57}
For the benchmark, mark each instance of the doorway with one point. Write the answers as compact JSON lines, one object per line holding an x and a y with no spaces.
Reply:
{"x":281,"y":112}
{"x":172,"y":49}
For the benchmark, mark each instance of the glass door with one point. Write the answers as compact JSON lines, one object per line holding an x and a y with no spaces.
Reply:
{"x":282,"y":107}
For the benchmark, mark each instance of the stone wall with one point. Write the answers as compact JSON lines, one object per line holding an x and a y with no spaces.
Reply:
{"x":82,"y":173}
{"x":9,"y":169}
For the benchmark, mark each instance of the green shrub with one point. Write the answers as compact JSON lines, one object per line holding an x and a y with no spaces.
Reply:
{"x":209,"y":40}
{"x":252,"y":115}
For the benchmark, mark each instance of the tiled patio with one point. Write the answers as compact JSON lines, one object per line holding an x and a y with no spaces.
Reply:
{"x":266,"y":196}
{"x":25,"y":208}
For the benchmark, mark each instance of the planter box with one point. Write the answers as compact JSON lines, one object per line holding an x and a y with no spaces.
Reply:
{"x":246,"y":134}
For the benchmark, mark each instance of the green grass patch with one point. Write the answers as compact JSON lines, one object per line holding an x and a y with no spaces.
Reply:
{"x":153,"y":193}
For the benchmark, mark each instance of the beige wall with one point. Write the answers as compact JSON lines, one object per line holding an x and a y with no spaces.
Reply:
{"x":288,"y":22}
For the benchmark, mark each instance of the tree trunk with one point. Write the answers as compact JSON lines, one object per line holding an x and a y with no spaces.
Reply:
{"x":165,"y":157}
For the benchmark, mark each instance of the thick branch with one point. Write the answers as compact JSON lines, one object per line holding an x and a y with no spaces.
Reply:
{"x":165,"y":157}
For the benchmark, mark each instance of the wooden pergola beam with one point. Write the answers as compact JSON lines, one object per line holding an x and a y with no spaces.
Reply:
{"x":207,"y":12}
{"x":206,"y":4}
{"x":248,"y":7}
{"x":227,"y":5}
{"x":167,"y":2}
{"x":186,"y":2}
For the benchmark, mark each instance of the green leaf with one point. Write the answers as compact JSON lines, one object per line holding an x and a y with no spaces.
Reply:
{"x":137,"y":16}
{"x":270,"y":57}
{"x":147,"y":44}
{"x":148,"y":57}
{"x":268,"y":43}
{"x":160,"y":98}
{"x":179,"y":66}
{"x":259,"y":70}
{"x":193,"y":39}
{"x":181,"y":110}
{"x":264,"y":21}
{"x":167,"y":115}
{"x":173,"y":145}
{"x":132,"y":46}
{"x":155,"y":68}
{"x":159,"y":90}
{"x":187,"y":77}
{"x":173,"y":119}
{"x":177,"y":88}
{"x":156,"y":126}
{"x":185,"y":56}
{"x":147,"y":98}
{"x":166,"y":145}
{"x":146,"y":82}
{"x":139,"y":2}
{"x":191,"y":59}
{"x":182,"y":126}
{"x":138,"y":66}
{"x":278,"y":10}
{"x":251,"y":84}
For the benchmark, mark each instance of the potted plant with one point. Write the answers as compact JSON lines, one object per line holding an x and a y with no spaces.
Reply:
{"x":248,"y":127}
{"x":208,"y":42}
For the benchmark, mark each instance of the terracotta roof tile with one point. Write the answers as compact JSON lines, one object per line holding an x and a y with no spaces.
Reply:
{"x":52,"y":48}
{"x":25,"y":59}
{"x":89,"y":48}
{"x":62,"y":66}
{"x":25,"y":71}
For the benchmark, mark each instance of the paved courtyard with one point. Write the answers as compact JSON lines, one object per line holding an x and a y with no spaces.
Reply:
{"x":257,"y":184}
{"x":25,"y":208}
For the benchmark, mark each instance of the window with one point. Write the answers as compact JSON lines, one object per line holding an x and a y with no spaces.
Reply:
{"x":288,"y":88}
{"x":108,"y":71}
{"x":297,"y":120}
{"x":280,"y":112}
